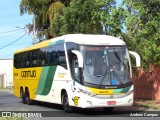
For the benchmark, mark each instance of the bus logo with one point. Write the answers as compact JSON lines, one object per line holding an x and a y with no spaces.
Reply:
{"x":28,"y":73}
{"x":75,"y":100}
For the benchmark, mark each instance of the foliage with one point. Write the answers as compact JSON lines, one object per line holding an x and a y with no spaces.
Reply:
{"x":89,"y":17}
{"x":113,"y":18}
{"x":136,"y":20}
{"x":58,"y":17}
{"x":54,"y":9}
{"x":142,"y":23}
{"x":42,"y":10}
{"x":78,"y":18}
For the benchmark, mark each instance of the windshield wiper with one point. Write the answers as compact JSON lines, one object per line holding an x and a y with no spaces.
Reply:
{"x":105,"y":75}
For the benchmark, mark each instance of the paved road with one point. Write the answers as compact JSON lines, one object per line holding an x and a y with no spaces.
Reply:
{"x":8,"y":102}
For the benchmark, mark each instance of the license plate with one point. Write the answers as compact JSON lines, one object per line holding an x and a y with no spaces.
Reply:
{"x":111,"y":102}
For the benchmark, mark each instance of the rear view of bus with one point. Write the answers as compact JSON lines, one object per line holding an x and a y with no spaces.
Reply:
{"x":101,"y":69}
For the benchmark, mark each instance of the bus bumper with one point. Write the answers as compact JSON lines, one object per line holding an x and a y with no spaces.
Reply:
{"x":94,"y":102}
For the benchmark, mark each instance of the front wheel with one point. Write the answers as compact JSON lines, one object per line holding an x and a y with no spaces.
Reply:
{"x":66,"y":106}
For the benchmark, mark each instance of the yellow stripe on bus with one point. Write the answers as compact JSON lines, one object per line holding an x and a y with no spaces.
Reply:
{"x":101,"y":91}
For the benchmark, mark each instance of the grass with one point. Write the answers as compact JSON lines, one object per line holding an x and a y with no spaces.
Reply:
{"x":12,"y":118}
{"x":149,"y":104}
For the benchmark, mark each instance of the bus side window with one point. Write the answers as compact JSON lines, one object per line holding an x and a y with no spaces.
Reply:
{"x":42,"y":57}
{"x":34,"y":58}
{"x":16,"y":62}
{"x":74,"y":66}
{"x":27,"y":59}
{"x":76,"y":69}
{"x":50,"y":55}
{"x":61,"y":59}
{"x":19,"y":60}
{"x":73,"y":60}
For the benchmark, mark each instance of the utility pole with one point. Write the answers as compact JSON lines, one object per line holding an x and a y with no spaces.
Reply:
{"x":34,"y":30}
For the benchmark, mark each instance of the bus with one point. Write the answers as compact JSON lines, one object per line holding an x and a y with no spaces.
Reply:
{"x":76,"y":70}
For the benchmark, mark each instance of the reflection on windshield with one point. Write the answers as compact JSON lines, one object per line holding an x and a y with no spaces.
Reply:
{"x":106,"y":65}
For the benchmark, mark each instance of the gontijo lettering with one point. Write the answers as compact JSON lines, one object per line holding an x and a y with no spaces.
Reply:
{"x":28,"y":73}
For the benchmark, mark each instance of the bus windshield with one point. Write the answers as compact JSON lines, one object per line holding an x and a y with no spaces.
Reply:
{"x":106,"y":65}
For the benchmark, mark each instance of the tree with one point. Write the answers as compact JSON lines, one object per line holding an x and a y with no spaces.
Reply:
{"x":78,"y":18}
{"x":113,"y":18}
{"x":89,"y":17}
{"x":42,"y":9}
{"x":142,"y":23}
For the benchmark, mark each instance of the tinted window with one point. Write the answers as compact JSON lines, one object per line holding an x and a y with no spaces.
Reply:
{"x":42,"y":56}
{"x":61,"y":59}
{"x":51,"y":55}
{"x":47,"y":56}
{"x":73,"y":60}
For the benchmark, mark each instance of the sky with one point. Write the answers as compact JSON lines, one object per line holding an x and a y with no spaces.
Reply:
{"x":10,"y":19}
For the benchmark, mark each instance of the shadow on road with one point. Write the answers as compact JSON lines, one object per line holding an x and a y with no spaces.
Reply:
{"x":10,"y":100}
{"x":92,"y":112}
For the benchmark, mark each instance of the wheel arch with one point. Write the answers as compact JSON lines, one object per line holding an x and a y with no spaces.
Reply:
{"x":26,"y":88}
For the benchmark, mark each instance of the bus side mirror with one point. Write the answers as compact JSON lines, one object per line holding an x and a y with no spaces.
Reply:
{"x":138,"y":59}
{"x":80,"y":57}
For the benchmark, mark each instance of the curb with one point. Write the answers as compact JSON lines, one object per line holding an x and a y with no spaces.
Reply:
{"x":10,"y":90}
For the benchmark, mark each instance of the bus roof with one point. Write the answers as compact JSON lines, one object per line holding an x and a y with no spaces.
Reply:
{"x":85,"y":39}
{"x":91,"y":39}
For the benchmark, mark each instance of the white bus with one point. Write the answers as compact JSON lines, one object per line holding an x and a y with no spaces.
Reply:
{"x":76,"y":70}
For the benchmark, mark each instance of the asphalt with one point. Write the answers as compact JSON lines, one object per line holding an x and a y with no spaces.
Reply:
{"x":11,"y":102}
{"x":130,"y":108}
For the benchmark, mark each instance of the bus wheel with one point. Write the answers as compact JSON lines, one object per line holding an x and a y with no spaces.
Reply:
{"x":22,"y":96}
{"x":66,"y":106}
{"x":108,"y":109}
{"x":27,"y":96}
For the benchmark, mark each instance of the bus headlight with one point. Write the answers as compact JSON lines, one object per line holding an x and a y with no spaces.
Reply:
{"x":83,"y":91}
{"x":130,"y":92}
{"x":87,"y":92}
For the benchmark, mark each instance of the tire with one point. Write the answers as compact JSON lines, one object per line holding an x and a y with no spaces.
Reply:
{"x":108,"y":109}
{"x":27,"y":98}
{"x":22,"y":96}
{"x":65,"y":104}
